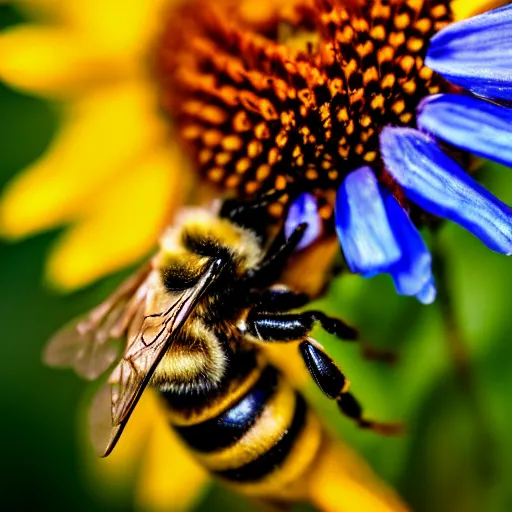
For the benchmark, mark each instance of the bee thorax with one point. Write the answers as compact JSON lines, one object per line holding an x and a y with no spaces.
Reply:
{"x":196,"y":362}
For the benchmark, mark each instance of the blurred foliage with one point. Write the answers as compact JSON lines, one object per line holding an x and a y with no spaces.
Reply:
{"x":457,"y":454}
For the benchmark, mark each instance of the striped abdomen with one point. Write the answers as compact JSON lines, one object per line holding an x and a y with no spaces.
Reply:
{"x":255,"y":432}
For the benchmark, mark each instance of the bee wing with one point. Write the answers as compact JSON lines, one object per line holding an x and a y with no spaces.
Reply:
{"x":87,"y":350}
{"x":143,"y":353}
{"x":87,"y":345}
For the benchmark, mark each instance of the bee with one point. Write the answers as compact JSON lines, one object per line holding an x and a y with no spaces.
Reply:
{"x":196,"y":320}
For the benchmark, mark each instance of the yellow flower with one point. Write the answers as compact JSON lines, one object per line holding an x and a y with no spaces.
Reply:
{"x":166,"y":478}
{"x":111,"y":173}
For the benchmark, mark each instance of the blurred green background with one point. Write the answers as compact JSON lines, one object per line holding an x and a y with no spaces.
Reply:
{"x":457,"y":454}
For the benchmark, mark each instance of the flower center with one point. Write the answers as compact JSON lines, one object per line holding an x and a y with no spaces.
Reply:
{"x":293,"y":97}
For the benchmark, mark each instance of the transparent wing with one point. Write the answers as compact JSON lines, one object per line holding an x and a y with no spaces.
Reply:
{"x":142,"y":355}
{"x":88,"y":344}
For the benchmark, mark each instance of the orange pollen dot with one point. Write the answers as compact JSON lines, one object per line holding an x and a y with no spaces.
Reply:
{"x":258,"y":110}
{"x":222,"y":158}
{"x":263,"y":172}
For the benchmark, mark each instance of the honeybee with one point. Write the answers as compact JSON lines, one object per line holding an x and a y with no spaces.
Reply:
{"x":195,"y":321}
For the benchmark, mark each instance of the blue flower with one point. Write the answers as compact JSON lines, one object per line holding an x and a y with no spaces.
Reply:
{"x":417,"y":160}
{"x":378,"y":236}
{"x":435,"y":182}
{"x":476,"y":53}
{"x":472,"y":124}
{"x":304,"y":209}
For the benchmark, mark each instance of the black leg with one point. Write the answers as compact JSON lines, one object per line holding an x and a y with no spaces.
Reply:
{"x":287,"y":327}
{"x":341,"y":330}
{"x":269,"y":321}
{"x":236,"y":208}
{"x":278,"y":299}
{"x":251,"y":213}
{"x":283,"y":327}
{"x":330,"y":379}
{"x":377,"y":354}
{"x":275,"y":260}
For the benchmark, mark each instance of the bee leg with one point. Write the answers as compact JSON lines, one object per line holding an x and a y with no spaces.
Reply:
{"x":331,"y":381}
{"x":237,"y":209}
{"x":282,"y":327}
{"x":341,"y":330}
{"x":279,"y":298}
{"x":272,"y":325}
{"x":275,"y":260}
{"x":252,"y":213}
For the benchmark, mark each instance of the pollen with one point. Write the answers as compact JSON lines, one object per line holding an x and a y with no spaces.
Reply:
{"x":243,"y":165}
{"x":216,"y":173}
{"x":263,"y":172}
{"x":311,"y":174}
{"x":258,"y":112}
{"x":205,"y":155}
{"x":232,"y":143}
{"x":377,"y":102}
{"x":222,"y":158}
{"x":378,"y":33}
{"x":280,"y":183}
{"x":254,"y":149}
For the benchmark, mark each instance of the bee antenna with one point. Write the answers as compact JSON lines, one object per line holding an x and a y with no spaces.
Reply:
{"x":234,"y":208}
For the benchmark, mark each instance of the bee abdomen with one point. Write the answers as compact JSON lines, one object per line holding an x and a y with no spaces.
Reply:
{"x":228,"y":427}
{"x":261,"y":442}
{"x":272,"y":459}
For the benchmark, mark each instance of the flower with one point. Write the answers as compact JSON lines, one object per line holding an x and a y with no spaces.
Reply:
{"x":371,"y":103}
{"x":111,"y":174}
{"x":377,"y":236}
{"x":304,"y":207}
{"x":475,"y":54}
{"x":173,"y":483}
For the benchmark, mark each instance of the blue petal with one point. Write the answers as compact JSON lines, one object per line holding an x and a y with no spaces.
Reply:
{"x":362,"y":225}
{"x":437,"y":184}
{"x":480,"y":127}
{"x":304,"y":209}
{"x":476,"y":53}
{"x":414,"y":270}
{"x":428,"y":294}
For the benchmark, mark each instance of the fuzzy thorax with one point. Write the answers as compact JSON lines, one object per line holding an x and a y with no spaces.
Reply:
{"x":195,"y":361}
{"x":199,"y":235}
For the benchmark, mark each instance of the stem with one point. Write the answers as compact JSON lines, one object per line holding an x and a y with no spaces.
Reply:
{"x":461,"y":360}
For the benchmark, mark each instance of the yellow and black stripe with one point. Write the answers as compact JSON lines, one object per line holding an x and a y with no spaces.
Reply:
{"x":255,"y":432}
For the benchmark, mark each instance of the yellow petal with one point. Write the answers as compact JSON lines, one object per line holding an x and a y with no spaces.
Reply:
{"x":343,"y":482}
{"x":105,"y":134}
{"x":463,"y":9}
{"x":309,"y":271}
{"x":124,"y":28}
{"x":120,"y":28}
{"x":124,"y":221}
{"x":121,"y":466}
{"x":170,"y":479}
{"x":56,"y":62}
{"x":287,"y":358}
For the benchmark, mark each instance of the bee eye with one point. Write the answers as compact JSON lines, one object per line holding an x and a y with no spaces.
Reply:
{"x":177,"y":278}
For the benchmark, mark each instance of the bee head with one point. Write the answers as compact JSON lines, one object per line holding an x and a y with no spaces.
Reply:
{"x":201,"y":237}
